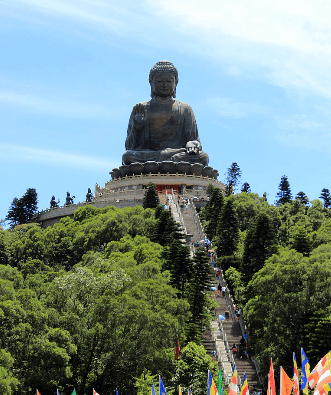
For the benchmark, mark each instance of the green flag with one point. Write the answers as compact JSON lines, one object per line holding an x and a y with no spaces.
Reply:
{"x":73,"y":392}
{"x":219,"y":389}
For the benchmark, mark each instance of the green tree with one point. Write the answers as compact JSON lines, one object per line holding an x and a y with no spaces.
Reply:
{"x":165,"y":229}
{"x":326,"y":197}
{"x":260,"y":244}
{"x":284,"y":194}
{"x":22,"y":210}
{"x":302,"y":197}
{"x":178,"y":262}
{"x":151,"y":197}
{"x":192,"y":369}
{"x":233,"y":176}
{"x":144,"y":382}
{"x":246,"y":187}
{"x":283,"y":305}
{"x":212,"y":211}
{"x":300,"y":239}
{"x":227,"y":230}
{"x":198,"y":296}
{"x":8,"y":383}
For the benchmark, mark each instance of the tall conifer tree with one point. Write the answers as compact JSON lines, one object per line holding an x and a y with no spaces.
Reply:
{"x":284,"y":194}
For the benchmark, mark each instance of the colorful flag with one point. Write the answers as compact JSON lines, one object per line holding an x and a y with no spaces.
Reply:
{"x":57,"y":392}
{"x":286,"y":383}
{"x":177,"y":350}
{"x":271,"y":380}
{"x":95,"y":392}
{"x":38,"y":393}
{"x":305,"y":372}
{"x":73,"y":392}
{"x":211,"y":386}
{"x":317,"y":371}
{"x":233,"y":389}
{"x":161,"y":387}
{"x":295,"y":377}
{"x":179,"y":390}
{"x":153,"y":389}
{"x":219,"y":389}
{"x":189,"y":392}
{"x":324,"y":383}
{"x":244,"y":388}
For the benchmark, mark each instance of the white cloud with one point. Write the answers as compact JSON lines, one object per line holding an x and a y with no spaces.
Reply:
{"x":19,"y":153}
{"x":304,"y":132}
{"x":58,"y":106}
{"x":230,"y":108}
{"x":286,"y":42}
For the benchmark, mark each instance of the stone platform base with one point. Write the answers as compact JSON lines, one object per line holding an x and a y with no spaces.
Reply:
{"x":165,"y":167}
{"x":129,"y":191}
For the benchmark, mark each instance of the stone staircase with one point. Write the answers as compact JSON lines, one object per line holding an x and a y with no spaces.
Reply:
{"x":192,"y":222}
{"x":219,"y":340}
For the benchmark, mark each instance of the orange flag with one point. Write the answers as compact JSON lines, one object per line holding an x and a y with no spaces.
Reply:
{"x":271,"y":381}
{"x":286,"y":384}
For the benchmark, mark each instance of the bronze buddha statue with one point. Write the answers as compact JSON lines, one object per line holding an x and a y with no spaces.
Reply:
{"x":163,"y":129}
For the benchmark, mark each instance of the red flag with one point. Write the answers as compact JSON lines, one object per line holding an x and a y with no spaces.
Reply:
{"x":177,"y":350}
{"x":317,"y":371}
{"x":38,"y":393}
{"x":286,"y":384}
{"x":233,"y":388}
{"x":271,"y":381}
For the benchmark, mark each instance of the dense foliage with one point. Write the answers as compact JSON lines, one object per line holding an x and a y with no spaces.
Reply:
{"x":96,"y":301}
{"x":277,"y":260}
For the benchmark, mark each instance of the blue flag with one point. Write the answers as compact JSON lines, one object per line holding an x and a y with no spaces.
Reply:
{"x":116,"y":392}
{"x":57,"y":392}
{"x":161,"y":387}
{"x":153,"y":389}
{"x":305,"y":372}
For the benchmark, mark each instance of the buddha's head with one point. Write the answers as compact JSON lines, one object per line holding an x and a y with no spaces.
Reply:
{"x":163,"y":78}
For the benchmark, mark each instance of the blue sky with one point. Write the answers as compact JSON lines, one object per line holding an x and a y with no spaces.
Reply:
{"x":256,"y":73}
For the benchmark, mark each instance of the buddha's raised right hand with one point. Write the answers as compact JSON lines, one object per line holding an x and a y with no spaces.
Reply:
{"x":139,"y":120}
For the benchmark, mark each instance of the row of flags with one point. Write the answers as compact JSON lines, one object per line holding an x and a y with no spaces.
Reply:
{"x":318,"y":380}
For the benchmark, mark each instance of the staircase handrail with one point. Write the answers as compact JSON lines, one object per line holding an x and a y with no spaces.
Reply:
{"x":197,"y":219}
{"x":231,"y":304}
{"x":229,"y":351}
{"x":229,"y":299}
{"x":177,"y":210}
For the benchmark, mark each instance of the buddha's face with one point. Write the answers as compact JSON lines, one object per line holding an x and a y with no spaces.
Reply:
{"x":163,"y":84}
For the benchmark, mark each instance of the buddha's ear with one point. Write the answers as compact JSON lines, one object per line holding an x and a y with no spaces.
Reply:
{"x":174,"y":93}
{"x":152,"y":92}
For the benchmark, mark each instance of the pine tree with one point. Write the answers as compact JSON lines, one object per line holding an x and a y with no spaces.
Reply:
{"x":22,"y":210}
{"x":284,"y":195}
{"x":260,"y":244}
{"x":151,"y":197}
{"x":302,"y":197}
{"x":326,"y":196}
{"x":166,"y":229}
{"x":246,"y":187}
{"x":178,"y":262}
{"x":212,"y":212}
{"x":233,"y":176}
{"x":198,"y":293}
{"x":227,"y":230}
